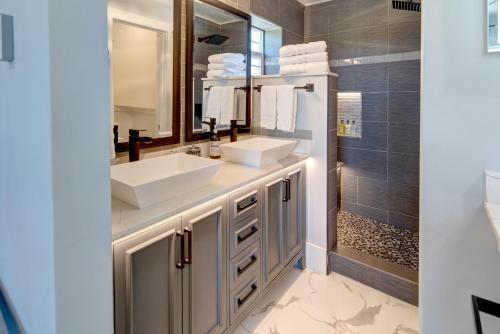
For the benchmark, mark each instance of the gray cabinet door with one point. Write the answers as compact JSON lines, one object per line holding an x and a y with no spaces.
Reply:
{"x":204,"y":275}
{"x":147,"y":284}
{"x":272,"y":238}
{"x":294,"y":214}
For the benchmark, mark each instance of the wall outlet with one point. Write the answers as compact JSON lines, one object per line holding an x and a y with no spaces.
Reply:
{"x":6,"y":37}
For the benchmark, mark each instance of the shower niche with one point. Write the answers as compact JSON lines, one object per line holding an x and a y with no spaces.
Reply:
{"x":349,"y":119}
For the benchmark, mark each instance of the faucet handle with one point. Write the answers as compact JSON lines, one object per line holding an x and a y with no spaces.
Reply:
{"x":135,"y":132}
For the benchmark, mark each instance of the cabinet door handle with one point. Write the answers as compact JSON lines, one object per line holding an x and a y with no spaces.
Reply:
{"x":289,"y":189}
{"x":253,"y":230}
{"x":253,"y":201}
{"x":241,"y":270}
{"x":242,"y":301}
{"x":286,"y":195}
{"x":189,"y":258}
{"x":180,"y":263}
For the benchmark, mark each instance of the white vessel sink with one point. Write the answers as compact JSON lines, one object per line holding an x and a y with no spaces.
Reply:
{"x":258,"y":152}
{"x":147,"y":182}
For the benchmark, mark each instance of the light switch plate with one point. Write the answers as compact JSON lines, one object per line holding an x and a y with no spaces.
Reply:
{"x":6,"y":37}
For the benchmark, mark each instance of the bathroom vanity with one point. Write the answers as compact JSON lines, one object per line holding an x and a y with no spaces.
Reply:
{"x":198,"y":262}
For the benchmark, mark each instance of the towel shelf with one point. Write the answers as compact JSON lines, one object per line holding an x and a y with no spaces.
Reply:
{"x":308,"y":87}
{"x":237,"y":88}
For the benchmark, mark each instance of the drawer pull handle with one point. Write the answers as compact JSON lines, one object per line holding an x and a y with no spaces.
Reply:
{"x":240,"y":270}
{"x":189,"y":258}
{"x":252,"y":202}
{"x":286,"y":195}
{"x":242,"y":301}
{"x":253,"y":230}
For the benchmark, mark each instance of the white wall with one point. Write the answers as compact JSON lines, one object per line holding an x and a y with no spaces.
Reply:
{"x":460,"y":134}
{"x":55,"y":230}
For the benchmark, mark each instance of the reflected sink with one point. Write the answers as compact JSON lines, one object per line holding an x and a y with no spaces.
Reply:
{"x":150,"y":181}
{"x":258,"y":152}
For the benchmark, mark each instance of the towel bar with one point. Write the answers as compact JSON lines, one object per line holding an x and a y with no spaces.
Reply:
{"x":238,"y":88}
{"x":308,"y":87}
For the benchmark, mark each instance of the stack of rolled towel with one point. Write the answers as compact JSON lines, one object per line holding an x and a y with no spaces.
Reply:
{"x":225,"y":65}
{"x":307,"y":58}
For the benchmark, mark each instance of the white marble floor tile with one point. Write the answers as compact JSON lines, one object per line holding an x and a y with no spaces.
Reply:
{"x":314,"y":304}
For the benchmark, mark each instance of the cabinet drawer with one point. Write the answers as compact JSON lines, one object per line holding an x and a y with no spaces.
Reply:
{"x":243,"y":235}
{"x":245,"y":203}
{"x":243,"y":297}
{"x":244,"y":266}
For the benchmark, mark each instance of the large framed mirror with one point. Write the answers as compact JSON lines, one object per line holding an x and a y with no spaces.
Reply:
{"x":144,"y":47}
{"x":217,"y":68}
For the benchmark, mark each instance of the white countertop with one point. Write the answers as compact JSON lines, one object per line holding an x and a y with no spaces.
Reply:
{"x":493,"y":211}
{"x":127,"y":219}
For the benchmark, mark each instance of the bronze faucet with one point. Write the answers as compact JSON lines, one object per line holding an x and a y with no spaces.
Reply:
{"x":134,"y":144}
{"x":234,"y":129}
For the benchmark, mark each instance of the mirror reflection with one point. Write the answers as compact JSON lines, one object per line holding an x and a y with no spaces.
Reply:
{"x":142,"y":59}
{"x":220,"y":45}
{"x":493,"y":35}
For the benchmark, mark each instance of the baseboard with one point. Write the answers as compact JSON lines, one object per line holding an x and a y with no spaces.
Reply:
{"x":395,"y":280}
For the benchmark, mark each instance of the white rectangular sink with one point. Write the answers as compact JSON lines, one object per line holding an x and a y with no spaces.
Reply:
{"x":258,"y":152}
{"x":147,"y":182}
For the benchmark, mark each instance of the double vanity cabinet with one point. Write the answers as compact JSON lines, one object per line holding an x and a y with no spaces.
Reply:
{"x":202,"y":270}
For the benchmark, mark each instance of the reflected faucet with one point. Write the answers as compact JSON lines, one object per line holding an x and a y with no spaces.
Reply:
{"x":134,"y":144}
{"x":234,"y":129}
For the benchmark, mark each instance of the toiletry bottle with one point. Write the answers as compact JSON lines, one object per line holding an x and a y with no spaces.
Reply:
{"x":215,"y":145}
{"x":342,"y":128}
{"x":347,"y":129}
{"x":354,"y":129}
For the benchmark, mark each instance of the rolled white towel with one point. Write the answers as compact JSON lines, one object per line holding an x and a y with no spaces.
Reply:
{"x":307,"y":58}
{"x":215,"y":66}
{"x":213,"y":74}
{"x":300,"y":49}
{"x":309,"y":68}
{"x":229,"y":58}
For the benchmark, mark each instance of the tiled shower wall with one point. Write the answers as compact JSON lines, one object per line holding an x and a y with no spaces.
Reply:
{"x":380,"y":175}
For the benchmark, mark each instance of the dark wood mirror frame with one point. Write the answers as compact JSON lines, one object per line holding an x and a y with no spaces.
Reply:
{"x":190,"y":135}
{"x":176,"y":90}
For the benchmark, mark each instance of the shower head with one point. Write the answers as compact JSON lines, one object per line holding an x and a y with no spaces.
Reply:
{"x":213,"y":39}
{"x":407,"y":5}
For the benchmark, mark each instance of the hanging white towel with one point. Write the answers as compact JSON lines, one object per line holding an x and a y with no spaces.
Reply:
{"x":227,"y":106}
{"x":286,"y":102}
{"x":268,"y":95}
{"x":307,"y":58}
{"x":214,"y":102}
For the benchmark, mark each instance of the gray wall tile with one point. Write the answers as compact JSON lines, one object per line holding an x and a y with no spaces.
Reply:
{"x":291,"y":16}
{"x":266,"y":9}
{"x":404,"y":107}
{"x":373,"y":136}
{"x":363,"y":78}
{"x":373,"y":193}
{"x":404,"y":76}
{"x":404,"y":168}
{"x":360,"y":42}
{"x":374,"y":107}
{"x":403,"y":198}
{"x":332,"y":148}
{"x":315,"y":18}
{"x":404,"y":138}
{"x":352,"y":14}
{"x":332,"y":190}
{"x":364,"y":163}
{"x":365,"y":211}
{"x":349,"y":188}
{"x":332,"y":110}
{"x":403,"y":221}
{"x":404,"y":37}
{"x":290,"y":37}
